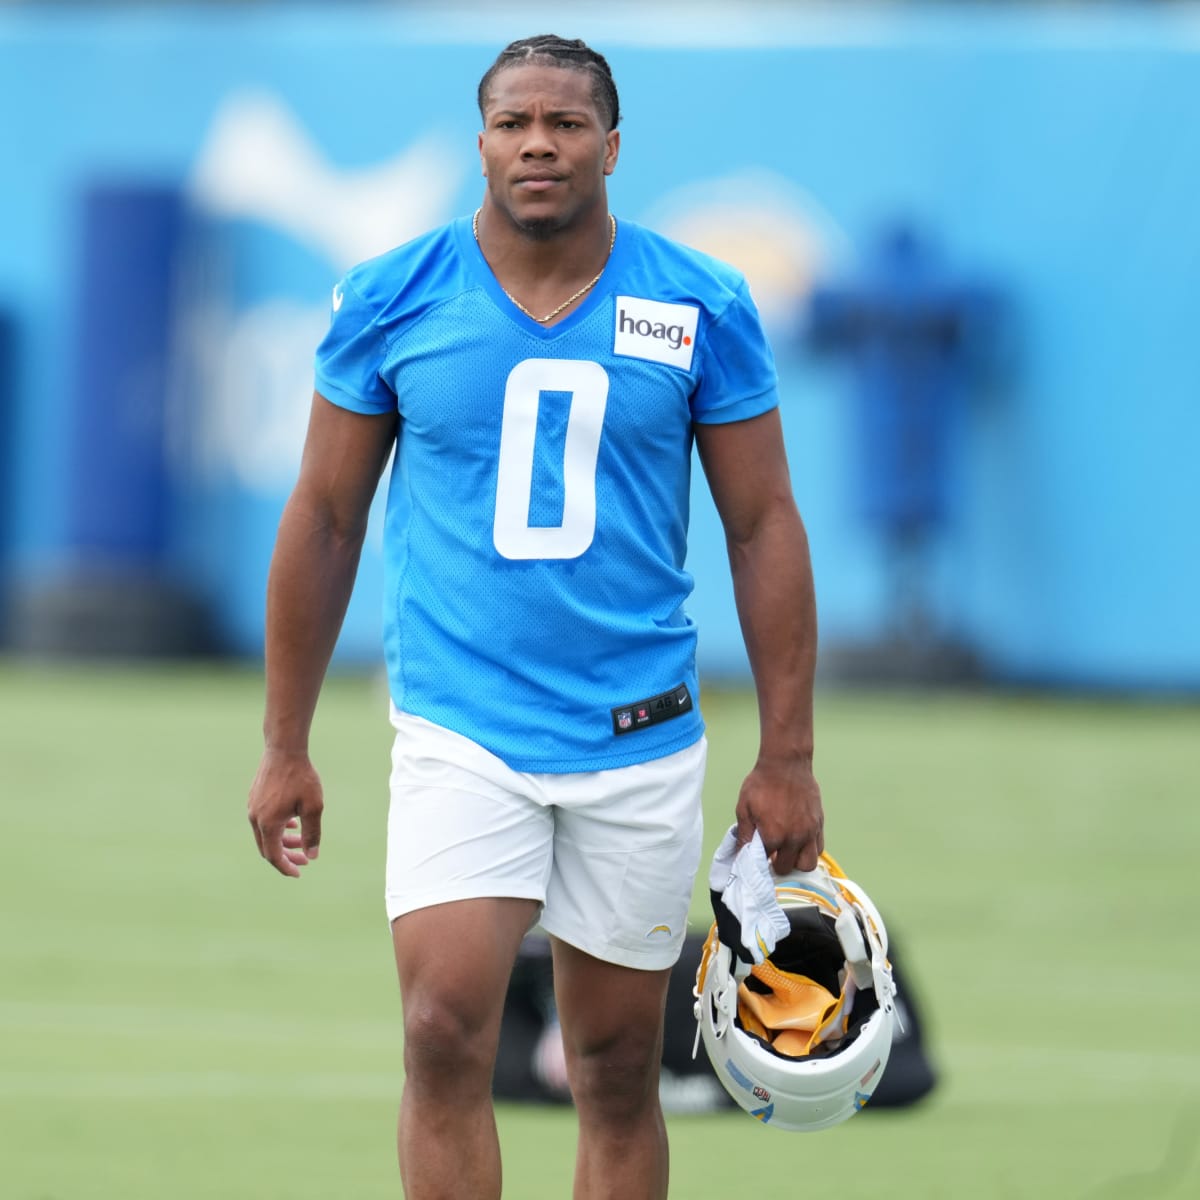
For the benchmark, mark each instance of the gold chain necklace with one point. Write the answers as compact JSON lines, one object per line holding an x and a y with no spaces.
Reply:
{"x":583,"y":291}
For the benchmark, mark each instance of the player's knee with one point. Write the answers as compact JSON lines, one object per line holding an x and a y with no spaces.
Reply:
{"x":443,"y":1042}
{"x":615,"y":1081}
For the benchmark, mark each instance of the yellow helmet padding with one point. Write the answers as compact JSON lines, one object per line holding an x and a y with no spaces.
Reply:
{"x":752,"y":1025}
{"x":794,"y":1043}
{"x":790,"y":1016}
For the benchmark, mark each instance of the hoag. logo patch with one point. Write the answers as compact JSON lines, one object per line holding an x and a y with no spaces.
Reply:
{"x":658,"y":332}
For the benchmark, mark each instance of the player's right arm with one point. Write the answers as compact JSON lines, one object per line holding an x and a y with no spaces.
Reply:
{"x":312,"y":574}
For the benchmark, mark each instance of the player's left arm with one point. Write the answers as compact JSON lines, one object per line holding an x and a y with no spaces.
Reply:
{"x":747,"y":471}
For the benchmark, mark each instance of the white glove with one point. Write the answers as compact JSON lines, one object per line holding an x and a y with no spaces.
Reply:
{"x":744,"y":881}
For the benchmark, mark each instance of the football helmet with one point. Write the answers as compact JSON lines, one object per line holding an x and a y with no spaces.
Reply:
{"x":801,"y":1038}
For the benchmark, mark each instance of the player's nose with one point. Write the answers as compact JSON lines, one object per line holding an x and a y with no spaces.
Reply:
{"x":539,"y":142}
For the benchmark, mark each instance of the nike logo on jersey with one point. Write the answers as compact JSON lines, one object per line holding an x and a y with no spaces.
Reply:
{"x":338,"y":296}
{"x":658,"y":332}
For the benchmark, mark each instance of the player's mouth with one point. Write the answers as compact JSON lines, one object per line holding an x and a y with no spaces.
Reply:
{"x":538,"y":182}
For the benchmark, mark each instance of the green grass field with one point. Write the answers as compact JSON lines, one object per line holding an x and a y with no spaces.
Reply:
{"x":176,"y":1021}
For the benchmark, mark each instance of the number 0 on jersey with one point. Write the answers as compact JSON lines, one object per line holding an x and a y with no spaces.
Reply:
{"x":587,"y":383}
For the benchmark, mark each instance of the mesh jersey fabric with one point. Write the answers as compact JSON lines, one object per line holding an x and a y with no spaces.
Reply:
{"x":537,"y":511}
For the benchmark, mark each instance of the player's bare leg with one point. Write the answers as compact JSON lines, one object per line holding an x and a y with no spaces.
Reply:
{"x":454,"y":962}
{"x":612,"y":1034}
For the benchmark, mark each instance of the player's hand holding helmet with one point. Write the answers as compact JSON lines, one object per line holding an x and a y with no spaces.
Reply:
{"x":794,"y":994}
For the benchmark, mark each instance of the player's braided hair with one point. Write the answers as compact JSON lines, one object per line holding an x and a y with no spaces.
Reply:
{"x":547,"y":50}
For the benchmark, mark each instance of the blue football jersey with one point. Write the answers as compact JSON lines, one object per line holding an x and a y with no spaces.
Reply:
{"x":537,"y":511}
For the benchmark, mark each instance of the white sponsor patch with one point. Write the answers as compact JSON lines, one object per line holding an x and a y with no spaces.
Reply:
{"x":649,"y":329}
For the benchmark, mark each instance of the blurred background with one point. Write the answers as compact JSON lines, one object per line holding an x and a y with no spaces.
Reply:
{"x":972,"y":231}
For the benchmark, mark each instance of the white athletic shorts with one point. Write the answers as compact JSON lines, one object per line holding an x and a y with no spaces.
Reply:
{"x":610,"y":855}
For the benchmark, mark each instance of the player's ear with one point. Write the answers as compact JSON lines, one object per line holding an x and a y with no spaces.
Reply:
{"x":482,"y":160}
{"x":612,"y":149}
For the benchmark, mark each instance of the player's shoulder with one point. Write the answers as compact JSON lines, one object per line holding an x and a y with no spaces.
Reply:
{"x":411,"y":277}
{"x":680,"y":272}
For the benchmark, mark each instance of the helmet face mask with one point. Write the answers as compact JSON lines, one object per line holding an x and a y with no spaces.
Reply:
{"x":801,"y":1041}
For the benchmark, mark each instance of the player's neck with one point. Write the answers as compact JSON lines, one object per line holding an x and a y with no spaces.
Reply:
{"x":540,"y":271}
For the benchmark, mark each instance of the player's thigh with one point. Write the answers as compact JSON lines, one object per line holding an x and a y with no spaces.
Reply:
{"x":454,"y":961}
{"x":609,"y":1009}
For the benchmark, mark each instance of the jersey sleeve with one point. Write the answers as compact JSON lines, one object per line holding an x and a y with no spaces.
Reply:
{"x":351,"y":354}
{"x":737,"y":368}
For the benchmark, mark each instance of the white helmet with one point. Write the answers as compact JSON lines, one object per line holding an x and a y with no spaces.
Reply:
{"x":801,"y":1039}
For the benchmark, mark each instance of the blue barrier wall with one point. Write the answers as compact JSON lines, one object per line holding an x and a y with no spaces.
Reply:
{"x":120,"y":350}
{"x":1048,"y":155}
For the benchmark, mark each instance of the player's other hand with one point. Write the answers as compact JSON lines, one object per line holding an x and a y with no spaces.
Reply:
{"x":285,"y":806}
{"x":782,"y":800}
